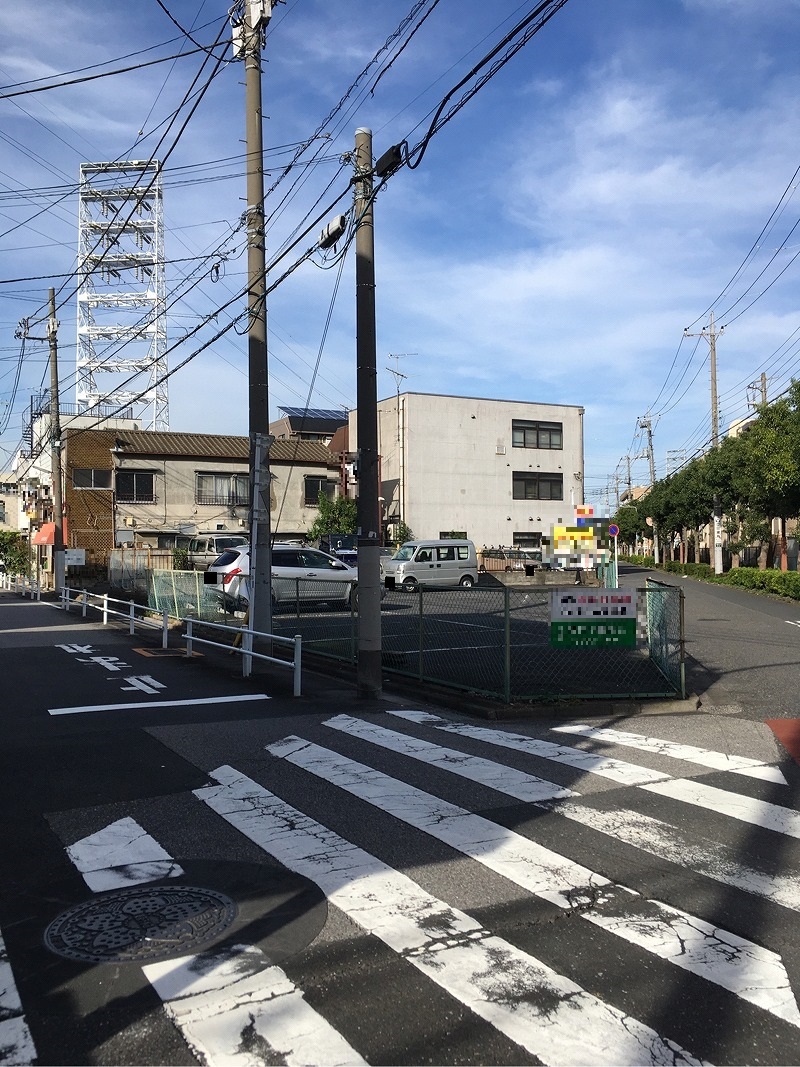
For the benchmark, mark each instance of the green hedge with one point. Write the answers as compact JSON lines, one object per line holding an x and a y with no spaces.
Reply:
{"x":781,"y":583}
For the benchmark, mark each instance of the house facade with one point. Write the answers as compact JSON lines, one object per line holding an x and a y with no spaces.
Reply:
{"x":155,"y":489}
{"x":501,"y":472}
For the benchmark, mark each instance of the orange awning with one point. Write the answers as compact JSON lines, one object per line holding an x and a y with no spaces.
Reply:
{"x":46,"y":532}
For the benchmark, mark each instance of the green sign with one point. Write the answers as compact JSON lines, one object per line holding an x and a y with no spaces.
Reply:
{"x":593,"y":633}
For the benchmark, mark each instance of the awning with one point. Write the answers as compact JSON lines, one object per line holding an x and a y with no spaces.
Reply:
{"x":46,"y":533}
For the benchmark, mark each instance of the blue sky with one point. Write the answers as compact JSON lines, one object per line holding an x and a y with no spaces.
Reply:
{"x":629,"y":171}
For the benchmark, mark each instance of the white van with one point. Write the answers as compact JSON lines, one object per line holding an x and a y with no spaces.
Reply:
{"x":436,"y":562}
{"x":204,"y":548}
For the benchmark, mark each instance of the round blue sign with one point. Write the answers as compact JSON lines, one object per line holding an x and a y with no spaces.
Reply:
{"x":613,"y":529}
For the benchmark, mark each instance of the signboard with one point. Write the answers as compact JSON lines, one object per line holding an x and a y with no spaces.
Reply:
{"x":600,"y":618}
{"x":613,"y":530}
{"x":74,"y":557}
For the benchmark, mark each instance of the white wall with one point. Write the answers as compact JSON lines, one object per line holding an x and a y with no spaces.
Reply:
{"x":452,"y":459}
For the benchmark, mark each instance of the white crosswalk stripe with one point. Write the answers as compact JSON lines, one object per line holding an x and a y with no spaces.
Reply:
{"x":16,"y":1043}
{"x":753,"y":973}
{"x":500,"y":983}
{"x":720,"y":761}
{"x":235,"y":1007}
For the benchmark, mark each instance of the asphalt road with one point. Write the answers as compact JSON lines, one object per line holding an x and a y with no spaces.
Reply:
{"x":198,"y":869}
{"x":743,"y":649}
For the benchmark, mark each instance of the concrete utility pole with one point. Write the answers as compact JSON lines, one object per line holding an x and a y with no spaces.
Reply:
{"x":369,"y":671}
{"x":401,"y":481}
{"x":711,"y":335}
{"x":247,"y":39}
{"x":646,"y":424}
{"x":757,"y":389}
{"x":59,"y":568}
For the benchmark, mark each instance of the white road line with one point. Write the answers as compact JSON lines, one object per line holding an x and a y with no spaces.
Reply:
{"x":525,"y":787}
{"x":542,"y":1011}
{"x":16,"y":1043}
{"x":230,"y":1003}
{"x":226,"y":1001}
{"x":605,"y":766}
{"x":753,"y":973}
{"x":195,"y":701}
{"x":718,"y":761}
{"x":119,"y":855}
{"x":745,"y":809}
{"x":708,"y":858}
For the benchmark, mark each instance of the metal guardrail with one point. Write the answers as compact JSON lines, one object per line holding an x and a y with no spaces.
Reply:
{"x":136,"y":614}
{"x":25,"y":586}
{"x":246,"y":648}
{"x":102,"y":602}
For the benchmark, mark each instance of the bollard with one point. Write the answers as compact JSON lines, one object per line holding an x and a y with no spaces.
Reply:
{"x":105,"y":609}
{"x":85,"y":602}
{"x":297,"y":664}
{"x":132,"y":616}
{"x":165,"y":628}
{"x":188,"y":637}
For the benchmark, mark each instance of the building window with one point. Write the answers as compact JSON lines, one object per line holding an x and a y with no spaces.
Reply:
{"x":527,"y":486}
{"x":135,"y":487}
{"x":314,"y":485}
{"x":90,"y":478}
{"x":227,"y":490}
{"x":526,"y":434}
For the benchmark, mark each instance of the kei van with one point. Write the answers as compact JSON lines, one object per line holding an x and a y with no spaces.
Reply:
{"x":446,"y":562}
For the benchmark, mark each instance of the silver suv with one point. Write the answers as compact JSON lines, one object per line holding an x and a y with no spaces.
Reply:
{"x":299,"y":575}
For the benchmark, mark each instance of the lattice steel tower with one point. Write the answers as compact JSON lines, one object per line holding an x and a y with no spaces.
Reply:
{"x":122,"y":328}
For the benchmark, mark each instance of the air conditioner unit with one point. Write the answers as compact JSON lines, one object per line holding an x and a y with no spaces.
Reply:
{"x":500,"y":450}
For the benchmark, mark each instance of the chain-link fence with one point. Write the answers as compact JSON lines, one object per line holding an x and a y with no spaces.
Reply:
{"x":495,"y":641}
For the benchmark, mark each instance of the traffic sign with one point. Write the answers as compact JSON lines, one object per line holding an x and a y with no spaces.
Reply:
{"x":613,"y":529}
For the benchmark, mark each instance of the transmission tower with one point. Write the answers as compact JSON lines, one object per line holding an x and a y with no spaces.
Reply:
{"x":122,"y":329}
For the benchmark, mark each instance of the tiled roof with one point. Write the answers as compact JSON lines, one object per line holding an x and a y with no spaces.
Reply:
{"x":217,"y":446}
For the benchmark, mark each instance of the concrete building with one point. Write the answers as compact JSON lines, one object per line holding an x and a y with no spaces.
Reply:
{"x":501,"y":472}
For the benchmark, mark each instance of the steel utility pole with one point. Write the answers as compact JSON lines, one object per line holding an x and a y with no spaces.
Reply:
{"x":59,"y":568}
{"x":711,"y":335}
{"x":247,"y":40}
{"x":369,"y":672}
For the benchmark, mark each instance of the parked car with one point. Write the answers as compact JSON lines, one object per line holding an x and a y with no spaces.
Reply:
{"x":441,"y":562}
{"x":297,"y":573}
{"x":510,"y":559}
{"x":204,"y":548}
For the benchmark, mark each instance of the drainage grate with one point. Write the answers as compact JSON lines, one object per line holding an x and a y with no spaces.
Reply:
{"x":140,"y":924}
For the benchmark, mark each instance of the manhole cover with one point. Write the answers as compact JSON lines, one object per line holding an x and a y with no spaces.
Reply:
{"x":140,"y":924}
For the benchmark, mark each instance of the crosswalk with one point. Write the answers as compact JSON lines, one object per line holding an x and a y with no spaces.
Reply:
{"x":590,"y":894}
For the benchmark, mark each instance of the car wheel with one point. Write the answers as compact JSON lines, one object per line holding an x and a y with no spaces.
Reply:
{"x":467,"y":581}
{"x":409,"y":585}
{"x":354,"y":599}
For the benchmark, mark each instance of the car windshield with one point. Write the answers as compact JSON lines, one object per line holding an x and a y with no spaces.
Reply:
{"x":406,"y":552}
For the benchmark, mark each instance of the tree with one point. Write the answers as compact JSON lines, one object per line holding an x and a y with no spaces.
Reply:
{"x":14,"y":552}
{"x":335,"y":516}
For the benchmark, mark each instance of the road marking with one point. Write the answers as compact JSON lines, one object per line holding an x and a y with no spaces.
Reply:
{"x":230,"y":1003}
{"x":745,"y":809}
{"x":119,"y":855}
{"x":525,"y":787}
{"x":194,"y":702}
{"x":605,"y":766}
{"x":753,"y":973}
{"x":719,"y":761}
{"x":544,"y":1012}
{"x":226,"y":1001}
{"x":791,"y":623}
{"x":653,"y":836}
{"x":16,"y":1043}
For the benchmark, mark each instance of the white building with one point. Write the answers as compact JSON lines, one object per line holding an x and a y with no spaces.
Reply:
{"x":501,"y":472}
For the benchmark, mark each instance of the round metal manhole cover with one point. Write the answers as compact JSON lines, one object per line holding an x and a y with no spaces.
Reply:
{"x":140,"y":924}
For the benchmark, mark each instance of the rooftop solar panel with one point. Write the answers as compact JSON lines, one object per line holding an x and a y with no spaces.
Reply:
{"x":314,"y":413}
